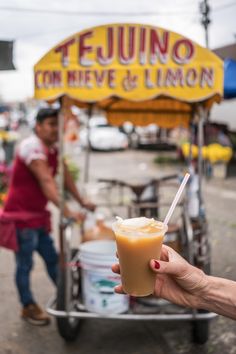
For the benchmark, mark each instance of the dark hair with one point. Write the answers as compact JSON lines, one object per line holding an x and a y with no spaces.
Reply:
{"x":45,"y":113}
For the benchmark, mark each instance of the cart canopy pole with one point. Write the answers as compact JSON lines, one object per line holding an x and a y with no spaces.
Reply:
{"x":202,"y":115}
{"x":88,"y":148}
{"x":191,"y":138}
{"x":61,"y":182}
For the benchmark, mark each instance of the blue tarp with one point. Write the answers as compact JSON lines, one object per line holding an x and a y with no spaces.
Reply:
{"x":229,"y":78}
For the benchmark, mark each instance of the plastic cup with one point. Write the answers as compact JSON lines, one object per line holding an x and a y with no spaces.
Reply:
{"x":136,"y":247}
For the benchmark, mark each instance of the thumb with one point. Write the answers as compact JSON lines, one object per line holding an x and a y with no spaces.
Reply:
{"x":173,"y":268}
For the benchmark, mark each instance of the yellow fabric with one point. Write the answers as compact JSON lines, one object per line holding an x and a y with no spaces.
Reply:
{"x":144,"y":119}
{"x":166,"y":113}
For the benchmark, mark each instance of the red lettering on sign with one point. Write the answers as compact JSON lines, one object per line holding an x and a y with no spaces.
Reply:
{"x":147,"y":78}
{"x":64,"y":50}
{"x":186,"y":55}
{"x":142,"y":46}
{"x":111,"y":78}
{"x":87,"y":79}
{"x":85,"y":49}
{"x":48,"y":79}
{"x":100,"y":77}
{"x":191,"y":77}
{"x":207,"y":77}
{"x":71,"y":78}
{"x":57,"y":78}
{"x":81,"y":79}
{"x":158,"y":47}
{"x":38,"y":79}
{"x":129,"y":44}
{"x":174,"y":77}
{"x":110,"y":49}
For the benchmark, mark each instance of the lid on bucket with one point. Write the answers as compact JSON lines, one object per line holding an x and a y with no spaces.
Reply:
{"x":98,"y":247}
{"x":98,"y":252}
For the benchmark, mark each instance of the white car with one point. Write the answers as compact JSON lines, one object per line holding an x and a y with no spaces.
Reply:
{"x":104,"y":138}
{"x":147,"y":135}
{"x":98,"y":121}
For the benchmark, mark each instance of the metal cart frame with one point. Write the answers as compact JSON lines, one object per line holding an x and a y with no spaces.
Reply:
{"x":68,"y":307}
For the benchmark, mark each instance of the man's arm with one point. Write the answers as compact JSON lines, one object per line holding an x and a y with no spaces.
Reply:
{"x":41,"y":171}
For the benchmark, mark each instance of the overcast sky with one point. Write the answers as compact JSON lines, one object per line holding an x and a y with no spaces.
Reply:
{"x":35,"y":32}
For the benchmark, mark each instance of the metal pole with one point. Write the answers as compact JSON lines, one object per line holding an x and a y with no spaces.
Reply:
{"x":202,"y":115}
{"x":88,"y":148}
{"x":64,"y":255}
{"x":205,"y":20}
{"x":191,"y":138}
{"x":61,"y":183}
{"x":206,"y":36}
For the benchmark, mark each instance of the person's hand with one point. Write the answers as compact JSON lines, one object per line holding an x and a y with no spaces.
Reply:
{"x":77,"y":216}
{"x":88,"y":205}
{"x":176,"y":281}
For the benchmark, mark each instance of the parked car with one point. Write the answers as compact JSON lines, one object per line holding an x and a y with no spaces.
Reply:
{"x":147,"y":135}
{"x":103,"y":137}
{"x":98,"y":121}
{"x":151,"y":137}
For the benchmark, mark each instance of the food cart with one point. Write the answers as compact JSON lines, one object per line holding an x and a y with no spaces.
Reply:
{"x":141,"y":74}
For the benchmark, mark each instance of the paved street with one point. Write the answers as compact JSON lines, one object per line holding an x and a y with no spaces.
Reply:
{"x":116,"y":337}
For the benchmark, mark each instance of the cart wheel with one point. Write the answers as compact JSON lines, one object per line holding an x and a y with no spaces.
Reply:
{"x":200,"y":331}
{"x":68,"y":328}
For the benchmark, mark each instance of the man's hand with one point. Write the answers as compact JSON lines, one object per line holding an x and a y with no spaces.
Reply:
{"x":88,"y":205}
{"x":77,"y":216}
{"x":71,"y":187}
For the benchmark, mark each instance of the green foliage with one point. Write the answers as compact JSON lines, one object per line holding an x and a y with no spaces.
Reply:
{"x":168,"y":160}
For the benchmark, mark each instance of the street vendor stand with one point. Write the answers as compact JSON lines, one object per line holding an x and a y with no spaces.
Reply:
{"x":136,"y":73}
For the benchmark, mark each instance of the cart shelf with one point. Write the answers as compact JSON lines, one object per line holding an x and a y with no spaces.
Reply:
{"x":166,"y":312}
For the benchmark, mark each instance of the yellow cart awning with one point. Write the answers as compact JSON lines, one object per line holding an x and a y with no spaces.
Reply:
{"x":134,"y":72}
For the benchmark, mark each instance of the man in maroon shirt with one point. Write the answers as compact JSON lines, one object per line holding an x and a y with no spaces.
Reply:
{"x":32,"y":186}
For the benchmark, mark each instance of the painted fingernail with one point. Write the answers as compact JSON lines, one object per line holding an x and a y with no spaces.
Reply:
{"x":156,"y":265}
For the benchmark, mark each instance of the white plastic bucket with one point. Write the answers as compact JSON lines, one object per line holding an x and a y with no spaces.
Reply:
{"x":98,"y":280}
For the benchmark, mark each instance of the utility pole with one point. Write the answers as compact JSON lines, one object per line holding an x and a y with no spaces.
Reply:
{"x":205,"y":20}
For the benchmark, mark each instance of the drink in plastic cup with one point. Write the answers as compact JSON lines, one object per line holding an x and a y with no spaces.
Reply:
{"x":138,"y":241}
